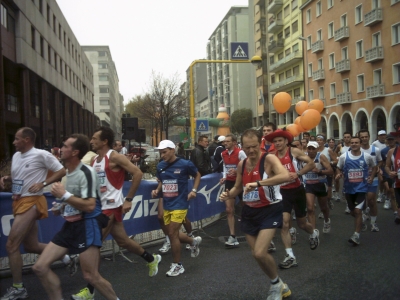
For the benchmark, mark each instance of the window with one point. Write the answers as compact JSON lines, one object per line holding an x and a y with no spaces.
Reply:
{"x":308,"y":15}
{"x":286,"y":11}
{"x":33,"y":42}
{"x":376,"y":4}
{"x":281,"y":76}
{"x":295,"y":26}
{"x":49,"y":54}
{"x":59,"y":31}
{"x":321,"y":93}
{"x":102,"y":53}
{"x":287,"y":51}
{"x":103,"y":77}
{"x":359,"y":49}
{"x":271,"y":60}
{"x":55,"y":60}
{"x":376,"y":39}
{"x":296,"y":92}
{"x":346,"y":87}
{"x":360,"y":83}
{"x":377,"y":76}
{"x":288,"y":73}
{"x":41,"y":6}
{"x":296,"y":70}
{"x":396,"y":73}
{"x":103,"y":66}
{"x":309,"y":70}
{"x":65,"y":39}
{"x":318,"y":9}
{"x":54,"y":24}
{"x":295,"y":47}
{"x":331,"y":30}
{"x":41,"y":47}
{"x":311,"y":94}
{"x":320,"y":65}
{"x":104,"y":102}
{"x":333,"y":90}
{"x":61,"y":66}
{"x":359,"y":14}
{"x":287,"y":32}
{"x":344,"y":53}
{"x":294,"y":4}
{"x":48,"y":14}
{"x":12,"y":103}
{"x":319,"y":34}
{"x":343,"y":20}
{"x":280,"y":56}
{"x":3,"y":16}
{"x":309,"y":42}
{"x":104,"y":89}
{"x":396,"y":34}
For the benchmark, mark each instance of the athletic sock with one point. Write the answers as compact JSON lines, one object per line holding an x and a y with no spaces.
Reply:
{"x":275,"y":280}
{"x":147,"y":256}
{"x":373,"y":220}
{"x":91,"y":288}
{"x":190,"y":234}
{"x":289,"y":251}
{"x":18,"y":285}
{"x":167,"y":239}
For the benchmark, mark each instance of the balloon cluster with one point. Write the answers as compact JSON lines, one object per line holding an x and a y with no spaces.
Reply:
{"x":310,"y":112}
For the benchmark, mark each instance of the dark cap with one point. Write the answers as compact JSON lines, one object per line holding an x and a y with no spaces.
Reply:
{"x":390,"y":137}
{"x":216,"y":138}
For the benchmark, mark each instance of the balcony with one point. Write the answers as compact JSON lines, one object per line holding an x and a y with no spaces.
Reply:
{"x":274,"y":6}
{"x":317,"y":46}
{"x":276,"y":45}
{"x":287,"y":83}
{"x":286,"y":61}
{"x":342,"y":33}
{"x":275,"y":26}
{"x":376,"y":91}
{"x":343,"y":98}
{"x":374,"y":54}
{"x":318,"y":75}
{"x":343,"y":66}
{"x":297,"y":99}
{"x":373,"y":17}
{"x":259,"y":18}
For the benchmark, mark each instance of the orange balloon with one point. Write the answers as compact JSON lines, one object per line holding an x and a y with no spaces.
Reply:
{"x":293,"y":129}
{"x":316,"y":104}
{"x":282,"y":102}
{"x":297,"y":122}
{"x":301,"y":106}
{"x":310,"y":118}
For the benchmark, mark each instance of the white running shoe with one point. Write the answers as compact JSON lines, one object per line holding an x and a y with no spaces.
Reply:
{"x":347,"y":210}
{"x":175,"y":270}
{"x":231,"y":242}
{"x":387,"y":204}
{"x":271,"y":247}
{"x":321,"y":215}
{"x":293,"y":233}
{"x":374,"y":227}
{"x":165,"y":247}
{"x":195,"y":249}
{"x":327,"y":227}
{"x":278,"y":291}
{"x":380,"y":198}
{"x":15,"y":293}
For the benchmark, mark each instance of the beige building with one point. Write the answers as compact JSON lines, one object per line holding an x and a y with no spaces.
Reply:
{"x":353,"y":62}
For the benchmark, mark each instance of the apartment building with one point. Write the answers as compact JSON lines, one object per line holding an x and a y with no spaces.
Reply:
{"x":46,"y":81}
{"x":107,"y":104}
{"x":229,"y":83}
{"x":353,"y":63}
{"x":285,"y":56}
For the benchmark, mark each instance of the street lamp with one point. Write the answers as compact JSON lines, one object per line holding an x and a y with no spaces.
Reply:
{"x":306,"y":66}
{"x":255,"y":60}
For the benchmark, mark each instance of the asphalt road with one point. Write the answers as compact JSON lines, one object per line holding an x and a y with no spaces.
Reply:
{"x":336,"y":270}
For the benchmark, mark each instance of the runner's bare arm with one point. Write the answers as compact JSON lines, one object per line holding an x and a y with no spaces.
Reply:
{"x":84,"y":204}
{"x":325,"y":163}
{"x":53,"y":178}
{"x":300,"y":155}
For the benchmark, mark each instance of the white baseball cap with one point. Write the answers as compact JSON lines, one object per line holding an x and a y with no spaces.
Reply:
{"x":166,"y":144}
{"x":381,"y":132}
{"x":221,"y":138}
{"x":313,"y":144}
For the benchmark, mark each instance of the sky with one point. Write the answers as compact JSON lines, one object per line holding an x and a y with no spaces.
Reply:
{"x":145,"y":36}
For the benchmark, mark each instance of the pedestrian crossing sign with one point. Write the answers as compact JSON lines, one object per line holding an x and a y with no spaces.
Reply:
{"x":202,"y":125}
{"x":239,"y":51}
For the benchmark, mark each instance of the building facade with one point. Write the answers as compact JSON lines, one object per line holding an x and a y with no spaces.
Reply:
{"x":353,"y":54}
{"x":107,"y":104}
{"x":46,"y":81}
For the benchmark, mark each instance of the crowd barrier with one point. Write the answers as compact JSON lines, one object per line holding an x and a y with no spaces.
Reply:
{"x":141,"y":218}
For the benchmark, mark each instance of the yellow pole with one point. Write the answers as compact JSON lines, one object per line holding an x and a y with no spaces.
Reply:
{"x":192,"y":123}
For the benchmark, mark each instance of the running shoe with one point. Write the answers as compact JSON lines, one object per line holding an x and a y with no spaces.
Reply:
{"x":380,"y":198}
{"x":321,"y":215}
{"x":387,"y":204}
{"x":231,"y":242}
{"x":271,"y":247}
{"x":314,"y":241}
{"x":15,"y":293}
{"x":84,"y":294}
{"x":355,"y":240}
{"x":278,"y":291}
{"x":327,"y":227}
{"x":187,"y":247}
{"x":288,"y":262}
{"x":195,"y":249}
{"x":153,"y":266}
{"x":175,"y":270}
{"x":330,"y":204}
{"x":165,"y":247}
{"x":293,"y":233}
{"x":374,"y":227}
{"x":73,"y":265}
{"x":365,"y":217}
{"x":347,"y":210}
{"x":286,"y":292}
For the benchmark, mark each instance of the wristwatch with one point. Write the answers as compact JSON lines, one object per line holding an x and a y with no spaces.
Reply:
{"x":258,"y":183}
{"x":194,"y":190}
{"x":44,"y":183}
{"x":128,"y":199}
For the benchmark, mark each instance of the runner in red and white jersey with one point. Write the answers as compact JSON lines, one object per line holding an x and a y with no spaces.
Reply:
{"x":259,"y":176}
{"x":392,"y":167}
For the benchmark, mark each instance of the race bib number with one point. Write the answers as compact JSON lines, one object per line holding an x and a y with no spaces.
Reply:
{"x":170,"y":188}
{"x":230,"y":167}
{"x":17,"y":186}
{"x":311,"y":177}
{"x":71,"y":214}
{"x":102,"y":180}
{"x":251,"y":196}
{"x":355,"y":175}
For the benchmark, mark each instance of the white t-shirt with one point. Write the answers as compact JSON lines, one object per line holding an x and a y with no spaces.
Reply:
{"x":379,"y":145}
{"x":29,"y":168}
{"x":377,"y":156}
{"x":124,"y":151}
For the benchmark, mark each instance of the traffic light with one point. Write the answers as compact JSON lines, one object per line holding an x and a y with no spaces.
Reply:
{"x":130,"y":128}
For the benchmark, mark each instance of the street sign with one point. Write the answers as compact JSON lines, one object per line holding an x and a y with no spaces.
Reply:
{"x":202,"y":125}
{"x":239,"y":51}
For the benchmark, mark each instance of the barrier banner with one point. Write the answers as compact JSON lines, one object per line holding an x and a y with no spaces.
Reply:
{"x":141,"y":218}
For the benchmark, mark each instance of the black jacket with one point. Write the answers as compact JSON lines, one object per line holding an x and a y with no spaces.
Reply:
{"x":201,"y":159}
